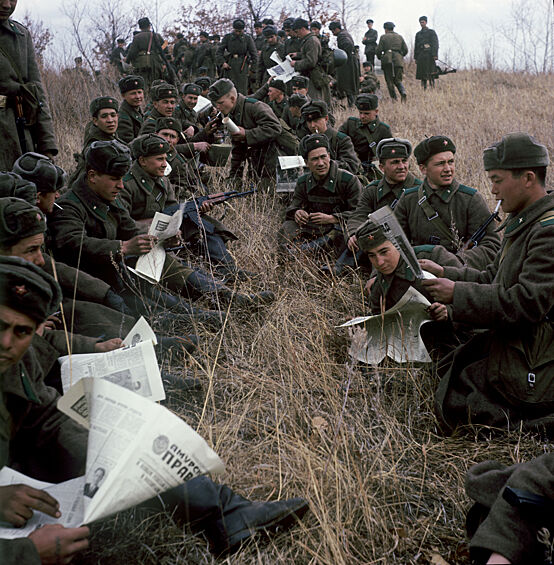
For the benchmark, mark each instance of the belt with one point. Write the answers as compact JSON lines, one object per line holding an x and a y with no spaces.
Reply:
{"x":3,"y":101}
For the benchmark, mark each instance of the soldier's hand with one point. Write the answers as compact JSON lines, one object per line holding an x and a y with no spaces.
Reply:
{"x":320,"y":219}
{"x":497,"y":559}
{"x":442,"y":290}
{"x":201,"y":146}
{"x":438,"y":312}
{"x":206,"y":206}
{"x":240,"y":135}
{"x":301,"y":217}
{"x":352,"y":243}
{"x":56,"y":544}
{"x":17,"y":503}
{"x":431,"y":267}
{"x":226,"y":66}
{"x":138,"y":245}
{"x":189,"y":132}
{"x":369,"y":284}
{"x":109,"y":345}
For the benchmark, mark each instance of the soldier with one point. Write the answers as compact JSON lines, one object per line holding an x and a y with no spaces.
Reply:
{"x":265,"y":61}
{"x":369,"y":82}
{"x":164,"y":101}
{"x":503,"y":377}
{"x":370,"y":42}
{"x":130,"y":111}
{"x":393,"y":155}
{"x":145,"y":53}
{"x":308,"y":61}
{"x":258,"y":127}
{"x":203,"y":56}
{"x":185,"y":110}
{"x":293,"y":113}
{"x":292,"y":43}
{"x":300,"y":85}
{"x":348,"y":75}
{"x":323,"y":200}
{"x":442,"y":214}
{"x":366,"y":131}
{"x":178,"y":54}
{"x":426,"y":52}
{"x":341,"y":149}
{"x":103,"y":126}
{"x":235,"y":55}
{"x":259,"y":39}
{"x":30,"y":417}
{"x":391,"y":52}
{"x":118,"y":55}
{"x":274,"y":92}
{"x":32,"y":130}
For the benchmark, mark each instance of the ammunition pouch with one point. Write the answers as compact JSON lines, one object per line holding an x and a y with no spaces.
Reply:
{"x":143,"y":61}
{"x":29,"y":99}
{"x":319,"y":78}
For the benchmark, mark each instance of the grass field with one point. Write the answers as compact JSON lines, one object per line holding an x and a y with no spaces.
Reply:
{"x":284,"y":407}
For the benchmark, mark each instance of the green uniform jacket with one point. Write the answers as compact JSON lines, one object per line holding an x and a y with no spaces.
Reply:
{"x":342,"y":151}
{"x":143,"y":195}
{"x":16,"y":41}
{"x":309,"y":65}
{"x":240,"y":53}
{"x":375,"y":195}
{"x":488,"y":379}
{"x":365,"y":137}
{"x":462,"y":209}
{"x":370,"y":84}
{"x":149,"y":122}
{"x":370,"y":41}
{"x":130,"y":122}
{"x":392,"y":49}
{"x":265,"y":62}
{"x":337,"y":194}
{"x":186,"y":116}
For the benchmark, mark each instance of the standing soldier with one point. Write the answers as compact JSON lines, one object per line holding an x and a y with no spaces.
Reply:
{"x":308,"y":61}
{"x":179,"y":49}
{"x":23,"y":128}
{"x":118,"y":55}
{"x":426,"y":52}
{"x":235,"y":54}
{"x":203,"y":56}
{"x":265,"y":61}
{"x":145,"y":53}
{"x":259,"y":39}
{"x":391,"y":52}
{"x":130,"y":111}
{"x":293,"y":40}
{"x":348,"y":76}
{"x":370,"y":42}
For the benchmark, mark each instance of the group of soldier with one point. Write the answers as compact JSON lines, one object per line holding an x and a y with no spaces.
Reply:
{"x":496,"y":376}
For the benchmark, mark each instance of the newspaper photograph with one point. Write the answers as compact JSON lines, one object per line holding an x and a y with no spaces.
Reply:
{"x":140,"y":332}
{"x":394,"y":334}
{"x":283,"y":70}
{"x":385,"y":217}
{"x":134,"y":368}
{"x":136,"y":449}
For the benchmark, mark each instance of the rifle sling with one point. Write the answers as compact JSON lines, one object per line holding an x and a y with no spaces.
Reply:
{"x":433,"y":216}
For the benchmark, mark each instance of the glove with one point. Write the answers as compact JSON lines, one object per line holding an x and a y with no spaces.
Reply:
{"x":114,"y":301}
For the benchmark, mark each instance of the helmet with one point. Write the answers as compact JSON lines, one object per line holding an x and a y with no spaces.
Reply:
{"x":339,"y":57}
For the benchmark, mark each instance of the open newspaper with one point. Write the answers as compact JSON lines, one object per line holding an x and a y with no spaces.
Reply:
{"x":395,"y":333}
{"x":137,"y":449}
{"x":133,"y":367}
{"x":283,"y":70}
{"x":150,"y":265}
{"x":201,"y":104}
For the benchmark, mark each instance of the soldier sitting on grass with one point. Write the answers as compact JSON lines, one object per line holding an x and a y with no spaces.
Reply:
{"x":130,"y":111}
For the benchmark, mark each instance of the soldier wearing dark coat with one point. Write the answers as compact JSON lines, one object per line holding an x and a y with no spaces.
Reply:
{"x":130,"y":110}
{"x":269,"y":46}
{"x":391,"y":51}
{"x":236,"y":54}
{"x":16,"y":48}
{"x":370,"y":42}
{"x":503,"y":377}
{"x":145,"y":53}
{"x":117,"y":55}
{"x":348,"y":75}
{"x":426,"y":52}
{"x":203,"y":55}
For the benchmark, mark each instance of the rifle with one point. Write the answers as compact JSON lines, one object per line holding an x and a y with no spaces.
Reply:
{"x":441,"y":69}
{"x":20,"y":123}
{"x":170,"y":68}
{"x":474,"y":240}
{"x":191,"y":208}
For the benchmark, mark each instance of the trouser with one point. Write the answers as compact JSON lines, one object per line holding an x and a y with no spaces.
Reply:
{"x":393,"y":78}
{"x":370,"y":58}
{"x":212,"y":247}
{"x":349,"y":259}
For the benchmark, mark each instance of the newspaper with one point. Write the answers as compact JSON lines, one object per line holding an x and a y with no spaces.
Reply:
{"x":140,"y":332}
{"x":283,"y":70}
{"x":395,"y":333}
{"x":201,"y":104}
{"x":150,"y":265}
{"x":134,"y":368}
{"x":394,"y":232}
{"x":291,"y":161}
{"x":137,"y":449}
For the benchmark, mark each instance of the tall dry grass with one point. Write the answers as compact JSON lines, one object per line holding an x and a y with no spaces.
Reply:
{"x":285,"y":408}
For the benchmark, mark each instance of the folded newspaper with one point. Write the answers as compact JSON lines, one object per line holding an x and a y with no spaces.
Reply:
{"x":283,"y":70}
{"x":137,"y":449}
{"x":395,"y":333}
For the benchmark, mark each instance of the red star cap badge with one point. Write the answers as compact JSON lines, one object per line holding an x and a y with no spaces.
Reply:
{"x":20,"y":290}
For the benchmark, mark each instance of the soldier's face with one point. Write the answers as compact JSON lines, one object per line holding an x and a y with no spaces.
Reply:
{"x":319,"y":125}
{"x":105,"y":186}
{"x":275,"y":94}
{"x":367,"y":116}
{"x":369,"y":25}
{"x":29,"y":248}
{"x":439,"y":169}
{"x":6,"y":8}
{"x":238,"y":32}
{"x":226,"y":103}
{"x":271,"y":40}
{"x":106,"y":120}
{"x":16,"y":332}
{"x":319,"y":162}
{"x":154,"y":165}
{"x":422,"y":23}
{"x":395,"y":170}
{"x":513,"y":191}
{"x":298,"y":90}
{"x":190,"y":100}
{"x":45,"y":201}
{"x":134,"y":98}
{"x":384,"y":258}
{"x":165,"y":106}
{"x":170,"y":135}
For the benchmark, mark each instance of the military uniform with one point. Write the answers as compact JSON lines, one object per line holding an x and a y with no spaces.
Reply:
{"x":144,"y":54}
{"x":426,"y":50}
{"x":348,"y":75}
{"x":149,"y":122}
{"x":370,"y":42}
{"x":204,"y":57}
{"x":265,"y":62}
{"x":370,"y":83}
{"x":491,"y":380}
{"x":309,"y":65}
{"x":391,"y":52}
{"x":116,"y":58}
{"x":16,"y":41}
{"x":240,"y":54}
{"x":130,"y":122}
{"x":365,"y":137}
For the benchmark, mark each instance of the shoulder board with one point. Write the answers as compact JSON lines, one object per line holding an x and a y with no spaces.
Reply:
{"x":417,"y":183}
{"x":342,"y":135}
{"x":374,"y":182}
{"x":467,"y":189}
{"x":72,"y":196}
{"x":128,"y":176}
{"x":253,"y":100}
{"x":117,"y":204}
{"x":384,"y":125}
{"x":423,"y":248}
{"x":547,"y":219}
{"x":15,"y":28}
{"x":345,"y":176}
{"x":354,"y":119}
{"x":410,"y":190}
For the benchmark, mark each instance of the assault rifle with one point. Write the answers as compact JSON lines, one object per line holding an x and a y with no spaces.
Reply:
{"x":441,"y":68}
{"x":474,"y":240}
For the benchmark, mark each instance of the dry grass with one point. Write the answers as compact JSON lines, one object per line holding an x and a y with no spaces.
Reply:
{"x":289,"y":414}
